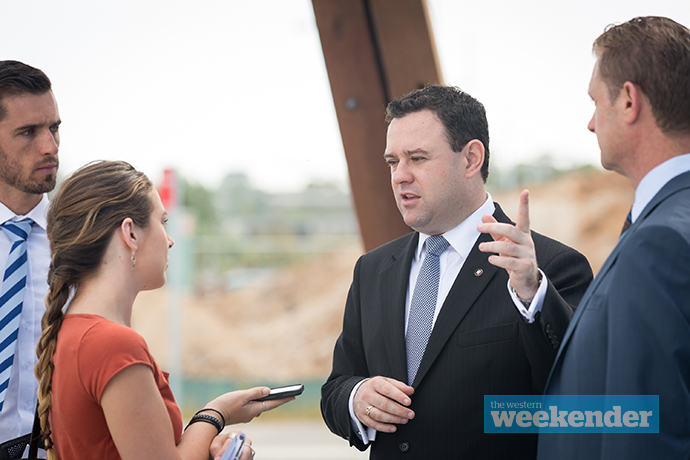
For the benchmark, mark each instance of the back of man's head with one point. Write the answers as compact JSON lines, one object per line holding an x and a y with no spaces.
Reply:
{"x":462,"y":116}
{"x":18,"y":78}
{"x":654,"y":54}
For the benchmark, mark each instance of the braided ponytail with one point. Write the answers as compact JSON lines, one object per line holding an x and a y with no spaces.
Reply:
{"x":52,"y":322}
{"x":82,"y":217}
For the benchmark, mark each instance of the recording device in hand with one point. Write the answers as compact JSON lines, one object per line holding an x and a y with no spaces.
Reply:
{"x":234,"y":450}
{"x":283,"y":392}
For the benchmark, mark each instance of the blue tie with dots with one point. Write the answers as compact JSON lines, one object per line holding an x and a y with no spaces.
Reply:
{"x":423,"y":305}
{"x":12,"y":298}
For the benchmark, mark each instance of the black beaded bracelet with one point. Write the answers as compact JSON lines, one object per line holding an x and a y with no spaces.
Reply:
{"x":214,"y":410}
{"x":208,"y":419}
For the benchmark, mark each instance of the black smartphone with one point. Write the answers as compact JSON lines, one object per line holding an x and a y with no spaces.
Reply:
{"x":283,"y":392}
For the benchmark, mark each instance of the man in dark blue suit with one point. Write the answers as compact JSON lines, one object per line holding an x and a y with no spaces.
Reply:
{"x":631,"y":333}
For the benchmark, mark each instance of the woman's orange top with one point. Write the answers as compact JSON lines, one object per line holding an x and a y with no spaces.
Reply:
{"x":91,"y":350}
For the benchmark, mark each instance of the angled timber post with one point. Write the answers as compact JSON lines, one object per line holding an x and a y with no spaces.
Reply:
{"x":375,"y":51}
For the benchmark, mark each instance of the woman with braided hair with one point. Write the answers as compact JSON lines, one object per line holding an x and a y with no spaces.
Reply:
{"x":101,"y":393}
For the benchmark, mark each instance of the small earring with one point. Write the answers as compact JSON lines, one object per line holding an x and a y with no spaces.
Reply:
{"x":134,"y":261}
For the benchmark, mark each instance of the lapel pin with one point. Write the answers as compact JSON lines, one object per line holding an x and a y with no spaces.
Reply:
{"x":478,"y":272}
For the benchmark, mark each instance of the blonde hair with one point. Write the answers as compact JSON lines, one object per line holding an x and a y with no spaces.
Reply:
{"x":82,"y":217}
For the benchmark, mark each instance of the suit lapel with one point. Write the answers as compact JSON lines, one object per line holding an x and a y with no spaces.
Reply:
{"x":393,"y":285}
{"x":673,"y":186}
{"x":465,"y":291}
{"x":588,"y":294}
{"x":610,"y":260}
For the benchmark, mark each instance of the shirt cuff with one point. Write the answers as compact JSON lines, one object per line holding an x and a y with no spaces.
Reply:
{"x":528,"y":310}
{"x":366,"y":434}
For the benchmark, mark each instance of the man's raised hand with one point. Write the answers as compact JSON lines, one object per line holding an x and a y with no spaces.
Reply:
{"x":515,"y":249}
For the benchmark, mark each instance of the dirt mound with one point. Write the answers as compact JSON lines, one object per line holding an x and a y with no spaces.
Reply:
{"x":285,"y":329}
{"x":277,"y":332}
{"x":583,"y":210}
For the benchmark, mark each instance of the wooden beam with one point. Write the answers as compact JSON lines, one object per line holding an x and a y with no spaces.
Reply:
{"x":375,"y":51}
{"x":406,"y":45}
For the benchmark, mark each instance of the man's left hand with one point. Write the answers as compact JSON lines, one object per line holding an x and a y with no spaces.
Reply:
{"x":515,"y":249}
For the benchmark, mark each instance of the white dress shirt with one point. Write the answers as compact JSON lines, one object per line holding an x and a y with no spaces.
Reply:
{"x":654,"y":181}
{"x":462,"y":239}
{"x":18,"y":411}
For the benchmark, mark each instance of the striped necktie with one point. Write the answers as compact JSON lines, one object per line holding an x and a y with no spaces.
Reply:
{"x":423,"y":305}
{"x":12,"y":298}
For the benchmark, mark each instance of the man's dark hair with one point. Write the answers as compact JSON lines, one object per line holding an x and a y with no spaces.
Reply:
{"x":653,"y":53}
{"x":462,"y":116}
{"x":18,"y":78}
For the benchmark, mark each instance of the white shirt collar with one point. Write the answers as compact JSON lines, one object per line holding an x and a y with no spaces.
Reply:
{"x":655,"y":179}
{"x":462,"y":237}
{"x":37,"y":214}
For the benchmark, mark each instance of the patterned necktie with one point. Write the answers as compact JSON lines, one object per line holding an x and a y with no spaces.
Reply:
{"x":423,"y":305}
{"x":627,"y":224}
{"x":12,"y":298}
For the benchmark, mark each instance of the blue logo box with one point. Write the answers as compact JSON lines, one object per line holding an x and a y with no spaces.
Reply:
{"x":571,"y":414}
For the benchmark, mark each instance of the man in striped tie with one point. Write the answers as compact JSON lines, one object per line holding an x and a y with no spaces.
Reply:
{"x":29,"y":140}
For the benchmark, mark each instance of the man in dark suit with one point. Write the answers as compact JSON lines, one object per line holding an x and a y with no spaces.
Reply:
{"x":631,"y":332}
{"x":418,"y":395}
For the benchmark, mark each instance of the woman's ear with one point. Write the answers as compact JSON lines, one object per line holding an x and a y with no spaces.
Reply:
{"x":128,"y":234}
{"x":474,"y":153}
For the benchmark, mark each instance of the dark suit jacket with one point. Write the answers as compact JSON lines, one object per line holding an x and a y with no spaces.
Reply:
{"x":479,"y":345}
{"x":631,"y":335}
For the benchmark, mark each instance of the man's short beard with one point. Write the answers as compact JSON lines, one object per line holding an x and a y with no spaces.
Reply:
{"x":37,"y":188}
{"x":10,"y":173}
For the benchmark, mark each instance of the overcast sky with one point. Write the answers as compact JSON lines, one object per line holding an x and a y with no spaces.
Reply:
{"x":211,"y":87}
